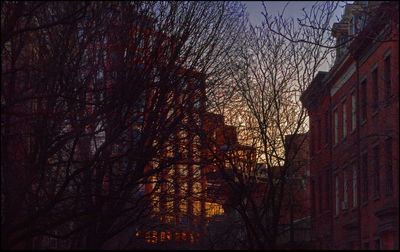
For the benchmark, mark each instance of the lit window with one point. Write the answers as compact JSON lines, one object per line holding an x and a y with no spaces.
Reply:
{"x":168,"y":235}
{"x":162,"y":236}
{"x":196,"y":208}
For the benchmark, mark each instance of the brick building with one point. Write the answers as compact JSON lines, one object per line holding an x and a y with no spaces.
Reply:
{"x":296,"y":209}
{"x":354,"y":130}
{"x":199,"y":141}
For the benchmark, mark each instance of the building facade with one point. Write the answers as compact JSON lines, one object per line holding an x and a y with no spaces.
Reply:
{"x":354,"y":130}
{"x":296,"y":208}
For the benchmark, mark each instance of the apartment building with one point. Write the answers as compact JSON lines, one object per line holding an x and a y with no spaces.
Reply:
{"x":354,"y":130}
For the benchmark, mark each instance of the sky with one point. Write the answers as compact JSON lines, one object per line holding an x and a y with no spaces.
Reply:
{"x":294,"y":9}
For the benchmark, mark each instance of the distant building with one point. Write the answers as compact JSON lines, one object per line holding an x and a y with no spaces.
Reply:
{"x":187,"y":198}
{"x":354,"y":133}
{"x":296,"y":212}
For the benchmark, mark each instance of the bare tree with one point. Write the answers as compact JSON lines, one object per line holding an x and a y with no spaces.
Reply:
{"x":88,"y":94}
{"x":269,"y":74}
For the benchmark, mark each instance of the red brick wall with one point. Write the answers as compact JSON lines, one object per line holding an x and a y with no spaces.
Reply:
{"x":374,"y":220}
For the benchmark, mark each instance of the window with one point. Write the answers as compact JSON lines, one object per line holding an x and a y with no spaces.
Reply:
{"x":313,"y":198}
{"x":345,"y":190}
{"x":353,"y":111}
{"x":344,"y":120}
{"x":336,"y":126}
{"x":364,"y":167}
{"x":326,"y":126}
{"x":389,"y":164}
{"x":354,"y":185}
{"x":312,"y":128}
{"x":341,"y":48}
{"x":319,"y":133}
{"x":320,"y":193}
{"x":357,"y":24}
{"x":35,"y":102}
{"x":328,"y":189}
{"x":377,"y":244}
{"x":364,"y":101}
{"x":375,"y":89}
{"x":353,"y":26}
{"x":376,"y":170}
{"x":196,"y":105}
{"x":387,"y":77}
{"x":337,"y":194}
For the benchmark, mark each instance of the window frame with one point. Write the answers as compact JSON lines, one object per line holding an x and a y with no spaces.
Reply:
{"x":387,"y":75}
{"x":364,"y":101}
{"x":353,"y":111}
{"x":375,"y":88}
{"x":335,"y":127}
{"x":389,"y":166}
{"x":376,"y":170}
{"x":344,"y":120}
{"x":364,"y":176}
{"x":354,"y":185}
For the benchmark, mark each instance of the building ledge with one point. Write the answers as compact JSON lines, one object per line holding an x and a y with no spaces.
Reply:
{"x":388,"y":211}
{"x":386,"y":227}
{"x":353,"y":223}
{"x":387,"y":218}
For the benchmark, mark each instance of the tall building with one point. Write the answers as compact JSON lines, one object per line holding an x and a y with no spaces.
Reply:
{"x":183,"y":198}
{"x":354,"y":131}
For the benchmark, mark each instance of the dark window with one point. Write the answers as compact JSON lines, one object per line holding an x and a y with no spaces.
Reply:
{"x":327,"y":126}
{"x":354,"y":189}
{"x":196,"y":104}
{"x":353,"y":111}
{"x":364,"y":168}
{"x":389,"y":164}
{"x":313,"y":195}
{"x":336,"y":126}
{"x":344,"y":120}
{"x":312,"y":140}
{"x":387,"y":77}
{"x":366,"y":245}
{"x":375,"y":89}
{"x":319,"y":133}
{"x":320,"y":193}
{"x":364,"y":100}
{"x":378,"y":244}
{"x":376,"y":170}
{"x":345,"y":189}
{"x":337,"y":200}
{"x":328,"y":189}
